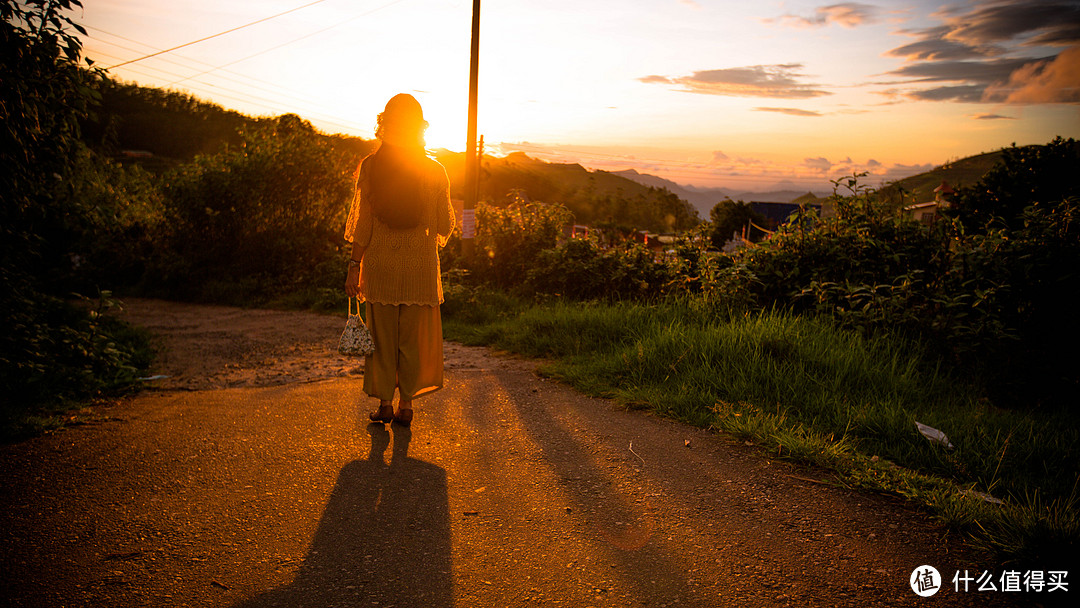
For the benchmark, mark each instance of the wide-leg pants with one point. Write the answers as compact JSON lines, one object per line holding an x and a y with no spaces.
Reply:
{"x":408,"y":351}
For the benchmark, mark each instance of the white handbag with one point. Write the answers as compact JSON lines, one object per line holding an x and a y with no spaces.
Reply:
{"x":356,"y":339}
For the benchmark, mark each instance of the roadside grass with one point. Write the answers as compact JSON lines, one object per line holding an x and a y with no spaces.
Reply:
{"x":808,"y":391}
{"x":112,"y":360}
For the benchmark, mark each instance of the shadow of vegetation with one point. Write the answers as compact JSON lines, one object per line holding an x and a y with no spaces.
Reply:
{"x":384,"y":537}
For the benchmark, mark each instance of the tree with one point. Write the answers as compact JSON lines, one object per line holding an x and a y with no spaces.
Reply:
{"x":49,"y":351}
{"x":729,"y":217}
{"x":44,"y":95}
{"x":1025,"y":176}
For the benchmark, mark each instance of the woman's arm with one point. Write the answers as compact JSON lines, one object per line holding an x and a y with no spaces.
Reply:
{"x":352,"y":279}
{"x":358,"y":231}
{"x":444,"y":210}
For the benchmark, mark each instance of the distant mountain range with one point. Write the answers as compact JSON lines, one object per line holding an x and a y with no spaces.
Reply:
{"x":703,"y":199}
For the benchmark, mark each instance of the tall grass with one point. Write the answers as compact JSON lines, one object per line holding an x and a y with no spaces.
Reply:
{"x":808,"y":390}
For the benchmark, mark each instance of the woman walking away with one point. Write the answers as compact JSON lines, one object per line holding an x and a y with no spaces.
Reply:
{"x":400,"y":216}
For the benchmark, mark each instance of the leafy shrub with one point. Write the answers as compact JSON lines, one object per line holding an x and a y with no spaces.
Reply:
{"x":864,"y":244}
{"x":996,"y":304}
{"x":114,"y":231}
{"x":509,"y":239}
{"x":51,"y":352}
{"x":254,"y":220}
{"x":578,"y":269}
{"x":1025,"y":176}
{"x":54,"y":354}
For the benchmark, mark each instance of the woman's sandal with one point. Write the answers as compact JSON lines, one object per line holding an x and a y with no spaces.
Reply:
{"x":385,"y":413}
{"x":403,"y":417}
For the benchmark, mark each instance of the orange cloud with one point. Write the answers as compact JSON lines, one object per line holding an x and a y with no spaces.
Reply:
{"x":778,"y":81}
{"x":790,"y":111}
{"x":1052,"y":81}
{"x":847,"y":14}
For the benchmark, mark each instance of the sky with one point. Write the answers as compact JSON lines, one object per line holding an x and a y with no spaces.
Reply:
{"x":725,"y":93}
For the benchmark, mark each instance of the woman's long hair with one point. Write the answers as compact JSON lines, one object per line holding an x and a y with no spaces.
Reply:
{"x":396,"y":171}
{"x":396,"y":184}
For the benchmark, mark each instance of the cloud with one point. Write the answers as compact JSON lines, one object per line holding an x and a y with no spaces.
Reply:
{"x":993,"y":22}
{"x":933,"y":46}
{"x":777,"y":81}
{"x":991,"y":117}
{"x":719,"y":157}
{"x":791,"y":111}
{"x":983,"y":72}
{"x":873,"y":163}
{"x":1050,"y":81}
{"x":900,"y":171}
{"x":969,"y":53}
{"x":690,"y":3}
{"x":1019,"y":81}
{"x":847,"y":14}
{"x":966,"y":93}
{"x":973,"y":54}
{"x":819,"y":164}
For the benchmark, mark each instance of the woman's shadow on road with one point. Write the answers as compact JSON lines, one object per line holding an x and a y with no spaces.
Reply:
{"x":384,"y":537}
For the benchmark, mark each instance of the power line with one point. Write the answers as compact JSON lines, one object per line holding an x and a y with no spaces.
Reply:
{"x":280,"y":91}
{"x":269,"y":104}
{"x":228,"y":31}
{"x":278,"y":46}
{"x":325,"y":118}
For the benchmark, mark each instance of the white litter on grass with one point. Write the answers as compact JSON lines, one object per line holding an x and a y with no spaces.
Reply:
{"x":933,"y":434}
{"x":982,"y":495}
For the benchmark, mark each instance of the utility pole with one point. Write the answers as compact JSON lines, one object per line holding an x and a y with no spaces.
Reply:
{"x":472,"y":165}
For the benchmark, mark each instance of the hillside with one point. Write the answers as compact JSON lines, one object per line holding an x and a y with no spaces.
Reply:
{"x":920,"y":188}
{"x":595,"y":197}
{"x":160,"y":129}
{"x":174,"y":127}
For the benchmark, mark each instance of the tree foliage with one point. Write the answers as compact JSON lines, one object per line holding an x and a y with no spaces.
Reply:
{"x":50,"y":351}
{"x":997,"y":304}
{"x":1044,"y":175}
{"x":168,"y":124}
{"x":728,"y":218}
{"x":260,"y":217}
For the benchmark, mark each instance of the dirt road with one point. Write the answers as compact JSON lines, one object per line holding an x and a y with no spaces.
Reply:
{"x":250,"y":477}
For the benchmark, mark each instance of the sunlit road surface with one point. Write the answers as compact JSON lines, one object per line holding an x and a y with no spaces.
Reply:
{"x":509,"y":490}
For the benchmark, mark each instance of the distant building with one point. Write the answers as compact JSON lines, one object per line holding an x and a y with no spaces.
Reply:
{"x":928,"y":212}
{"x":923,"y":212}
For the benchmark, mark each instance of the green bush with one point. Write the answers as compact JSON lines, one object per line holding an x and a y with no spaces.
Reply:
{"x":1025,"y":176}
{"x":994,"y":305}
{"x":52,"y":353}
{"x":580,"y":270}
{"x":509,"y":239}
{"x":253,"y":221}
